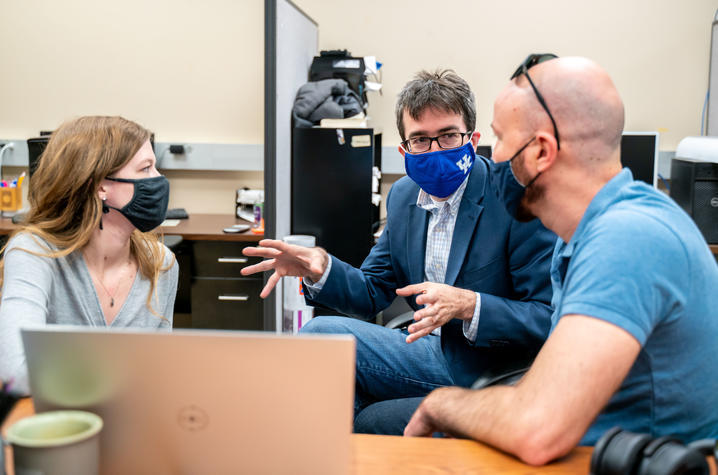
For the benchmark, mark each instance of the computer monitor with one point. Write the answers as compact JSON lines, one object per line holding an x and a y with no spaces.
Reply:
{"x":35,"y":147}
{"x":639,"y":152}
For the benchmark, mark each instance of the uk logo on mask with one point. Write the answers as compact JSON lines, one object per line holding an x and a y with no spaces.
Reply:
{"x":464,"y":164}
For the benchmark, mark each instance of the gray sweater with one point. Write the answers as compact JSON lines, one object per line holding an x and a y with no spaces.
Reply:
{"x":38,"y":291}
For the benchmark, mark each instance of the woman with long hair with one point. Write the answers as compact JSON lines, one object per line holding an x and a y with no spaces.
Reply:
{"x":84,"y":254}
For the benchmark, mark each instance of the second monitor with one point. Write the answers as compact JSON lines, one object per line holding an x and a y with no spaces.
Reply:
{"x":639,"y":152}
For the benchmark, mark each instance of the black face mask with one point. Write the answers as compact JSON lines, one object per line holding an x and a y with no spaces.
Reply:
{"x":148,"y":206}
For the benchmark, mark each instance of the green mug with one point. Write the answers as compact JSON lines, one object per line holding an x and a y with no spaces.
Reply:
{"x":55,"y":443}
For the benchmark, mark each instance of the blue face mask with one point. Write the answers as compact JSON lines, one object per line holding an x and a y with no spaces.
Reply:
{"x":440,"y":173}
{"x":509,"y":190}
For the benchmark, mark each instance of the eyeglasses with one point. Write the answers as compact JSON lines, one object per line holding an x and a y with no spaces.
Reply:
{"x":531,"y":61}
{"x":445,"y":141}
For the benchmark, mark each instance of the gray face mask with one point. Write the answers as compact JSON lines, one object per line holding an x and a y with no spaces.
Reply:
{"x":148,"y":206}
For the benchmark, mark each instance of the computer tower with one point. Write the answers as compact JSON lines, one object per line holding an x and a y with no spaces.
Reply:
{"x":694,"y":186}
{"x":332,"y":176}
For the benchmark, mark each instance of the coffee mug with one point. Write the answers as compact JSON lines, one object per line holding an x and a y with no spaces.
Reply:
{"x":57,"y":442}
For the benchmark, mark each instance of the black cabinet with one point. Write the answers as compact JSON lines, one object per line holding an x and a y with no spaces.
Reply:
{"x":332,"y":189}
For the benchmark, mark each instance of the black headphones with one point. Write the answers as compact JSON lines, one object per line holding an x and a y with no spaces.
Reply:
{"x":620,"y":452}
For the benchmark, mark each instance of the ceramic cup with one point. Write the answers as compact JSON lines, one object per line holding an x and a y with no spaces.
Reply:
{"x":57,"y":442}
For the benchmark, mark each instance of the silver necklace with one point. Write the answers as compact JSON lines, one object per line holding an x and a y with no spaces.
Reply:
{"x":112,"y":295}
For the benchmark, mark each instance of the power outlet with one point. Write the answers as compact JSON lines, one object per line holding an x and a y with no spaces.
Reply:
{"x":177,"y":149}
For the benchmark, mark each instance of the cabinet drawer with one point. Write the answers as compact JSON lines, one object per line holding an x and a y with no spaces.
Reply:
{"x":227,"y":304}
{"x":221,"y":258}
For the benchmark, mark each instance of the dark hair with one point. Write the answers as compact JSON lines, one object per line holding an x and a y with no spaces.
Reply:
{"x":443,"y":90}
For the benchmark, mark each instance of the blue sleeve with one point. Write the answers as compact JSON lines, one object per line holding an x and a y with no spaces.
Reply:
{"x":361,"y":292}
{"x":524,"y":318}
{"x":621,"y":273}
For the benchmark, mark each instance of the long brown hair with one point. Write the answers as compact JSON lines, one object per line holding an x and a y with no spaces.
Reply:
{"x":65,"y":206}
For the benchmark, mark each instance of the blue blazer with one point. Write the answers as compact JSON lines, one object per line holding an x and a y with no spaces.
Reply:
{"x":507,"y":262}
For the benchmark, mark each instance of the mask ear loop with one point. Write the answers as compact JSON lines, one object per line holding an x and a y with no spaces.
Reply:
{"x":105,"y":210}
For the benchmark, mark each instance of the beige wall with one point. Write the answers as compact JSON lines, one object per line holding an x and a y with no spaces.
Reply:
{"x":656,"y":50}
{"x":190,"y":71}
{"x":193,"y":71}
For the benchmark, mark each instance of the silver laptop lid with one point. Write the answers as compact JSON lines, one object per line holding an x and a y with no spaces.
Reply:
{"x":198,"y":402}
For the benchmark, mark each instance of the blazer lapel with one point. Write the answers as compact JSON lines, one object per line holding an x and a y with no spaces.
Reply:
{"x":416,"y":242}
{"x":467,"y":220}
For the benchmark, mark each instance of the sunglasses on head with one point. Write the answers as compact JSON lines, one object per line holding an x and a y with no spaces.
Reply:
{"x":523,"y":69}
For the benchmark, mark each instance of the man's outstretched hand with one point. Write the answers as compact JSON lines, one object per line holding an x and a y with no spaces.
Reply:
{"x":286,"y":259}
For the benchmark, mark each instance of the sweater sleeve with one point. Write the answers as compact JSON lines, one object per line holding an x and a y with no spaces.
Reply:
{"x":27,"y":280}
{"x":171,"y":292}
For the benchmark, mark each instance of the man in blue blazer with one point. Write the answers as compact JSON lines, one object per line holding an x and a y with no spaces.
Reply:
{"x":477,"y":279}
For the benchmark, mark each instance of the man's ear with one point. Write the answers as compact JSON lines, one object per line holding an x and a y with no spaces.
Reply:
{"x":548,"y":151}
{"x":475,"y":139}
{"x":401,"y":150}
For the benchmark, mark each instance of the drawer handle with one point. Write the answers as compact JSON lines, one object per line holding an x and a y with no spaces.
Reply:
{"x":232,"y":260}
{"x":234,"y":298}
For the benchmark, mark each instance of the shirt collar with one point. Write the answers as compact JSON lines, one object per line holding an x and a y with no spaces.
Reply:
{"x":425,"y":202}
{"x":605,"y":197}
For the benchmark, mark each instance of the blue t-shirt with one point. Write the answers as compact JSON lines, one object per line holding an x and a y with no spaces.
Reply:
{"x":638,"y":261}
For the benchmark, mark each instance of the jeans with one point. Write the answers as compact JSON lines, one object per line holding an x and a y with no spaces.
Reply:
{"x":386,"y":417}
{"x":386,"y":366}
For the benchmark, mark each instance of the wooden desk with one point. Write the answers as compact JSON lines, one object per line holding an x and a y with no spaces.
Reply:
{"x":23,"y":409}
{"x":207,"y":227}
{"x":6,"y":226}
{"x":714,"y":248}
{"x":390,"y":455}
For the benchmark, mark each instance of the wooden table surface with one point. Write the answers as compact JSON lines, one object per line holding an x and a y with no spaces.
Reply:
{"x":23,"y":409}
{"x":208,"y":227}
{"x":391,"y":455}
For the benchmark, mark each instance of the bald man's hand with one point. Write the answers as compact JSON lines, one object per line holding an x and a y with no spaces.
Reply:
{"x":286,"y":259}
{"x":441,"y":303}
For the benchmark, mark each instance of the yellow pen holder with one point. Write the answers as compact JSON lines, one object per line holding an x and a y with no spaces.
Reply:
{"x":11,"y":198}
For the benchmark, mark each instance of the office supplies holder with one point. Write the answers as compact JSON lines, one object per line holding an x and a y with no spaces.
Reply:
{"x":10,"y":200}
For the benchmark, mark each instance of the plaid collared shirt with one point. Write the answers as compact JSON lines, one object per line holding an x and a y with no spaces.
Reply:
{"x":439,"y":236}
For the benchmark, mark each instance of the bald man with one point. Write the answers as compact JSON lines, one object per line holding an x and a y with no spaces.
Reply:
{"x":634,"y":339}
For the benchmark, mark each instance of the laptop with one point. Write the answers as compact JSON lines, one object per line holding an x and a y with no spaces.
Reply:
{"x":200,"y":402}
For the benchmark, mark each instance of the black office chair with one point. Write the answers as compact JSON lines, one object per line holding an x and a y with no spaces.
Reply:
{"x":402,"y":320}
{"x":172,"y":241}
{"x":397,"y":315}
